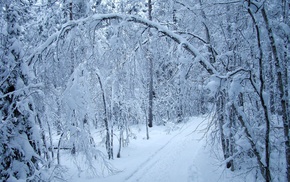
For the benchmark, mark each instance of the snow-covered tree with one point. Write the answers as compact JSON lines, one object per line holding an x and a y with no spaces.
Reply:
{"x":21,"y":146}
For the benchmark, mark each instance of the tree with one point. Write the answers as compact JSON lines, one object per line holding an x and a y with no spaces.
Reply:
{"x":21,"y":151}
{"x":282,"y":81}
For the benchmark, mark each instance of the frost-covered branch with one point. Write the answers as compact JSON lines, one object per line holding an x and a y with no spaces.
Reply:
{"x":130,"y":18}
{"x":193,"y":35}
{"x":21,"y":90}
{"x":52,"y":39}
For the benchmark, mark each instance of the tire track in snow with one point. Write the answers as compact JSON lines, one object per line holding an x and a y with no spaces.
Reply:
{"x":158,"y":156}
{"x":149,"y":159}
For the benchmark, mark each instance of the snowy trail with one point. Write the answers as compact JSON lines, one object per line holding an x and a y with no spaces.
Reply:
{"x":173,"y":161}
{"x":176,"y":157}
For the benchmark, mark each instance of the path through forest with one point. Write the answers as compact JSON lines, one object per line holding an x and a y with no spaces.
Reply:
{"x":180,"y":155}
{"x":173,"y":161}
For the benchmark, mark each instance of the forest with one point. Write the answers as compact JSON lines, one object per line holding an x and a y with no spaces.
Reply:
{"x":70,"y":68}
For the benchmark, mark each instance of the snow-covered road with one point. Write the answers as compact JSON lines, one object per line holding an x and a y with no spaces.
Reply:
{"x":174,"y":161}
{"x":180,"y":156}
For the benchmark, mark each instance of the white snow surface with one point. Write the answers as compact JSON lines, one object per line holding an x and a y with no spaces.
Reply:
{"x":172,"y":154}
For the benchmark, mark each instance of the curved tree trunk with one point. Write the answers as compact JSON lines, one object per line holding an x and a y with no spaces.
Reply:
{"x":109,"y":141}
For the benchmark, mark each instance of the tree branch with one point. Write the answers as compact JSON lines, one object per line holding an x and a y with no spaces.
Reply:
{"x":136,"y":19}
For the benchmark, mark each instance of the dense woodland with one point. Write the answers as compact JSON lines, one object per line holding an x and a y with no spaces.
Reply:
{"x":70,"y":66}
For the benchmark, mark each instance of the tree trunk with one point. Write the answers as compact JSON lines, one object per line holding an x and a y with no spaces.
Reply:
{"x":281,"y":95}
{"x":221,"y":120}
{"x":243,"y":121}
{"x":50,"y":139}
{"x":121,"y":138}
{"x":43,"y":138}
{"x":70,"y":11}
{"x":147,"y":129}
{"x":207,"y":35}
{"x":58,"y":149}
{"x":109,"y":147}
{"x":262,"y":99}
{"x":112,"y":142}
{"x":150,"y":109}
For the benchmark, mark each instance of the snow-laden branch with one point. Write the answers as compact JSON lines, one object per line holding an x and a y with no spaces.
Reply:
{"x":24,"y":89}
{"x":50,"y":40}
{"x":135,"y":19}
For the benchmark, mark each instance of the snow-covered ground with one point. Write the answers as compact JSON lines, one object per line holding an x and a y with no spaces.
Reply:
{"x":173,"y":153}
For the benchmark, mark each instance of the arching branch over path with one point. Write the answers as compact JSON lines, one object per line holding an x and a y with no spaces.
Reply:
{"x":129,"y":18}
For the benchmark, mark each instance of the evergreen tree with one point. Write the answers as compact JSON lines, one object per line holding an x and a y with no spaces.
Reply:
{"x":20,"y":145}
